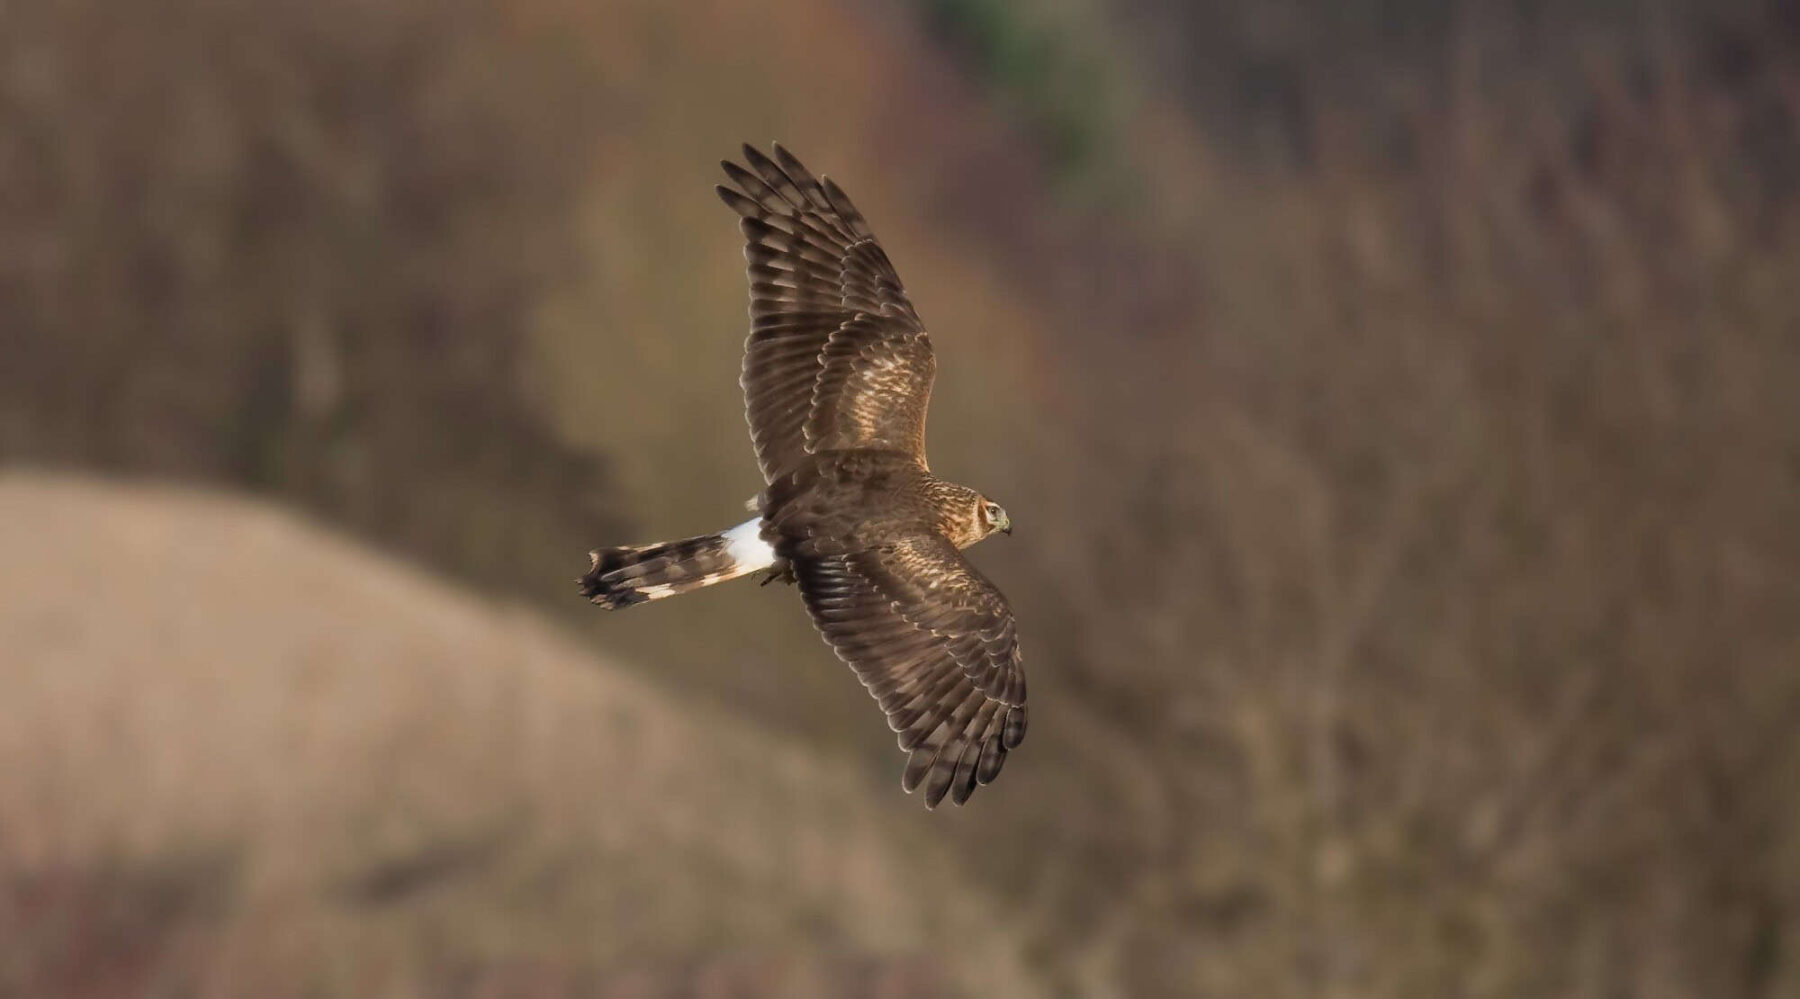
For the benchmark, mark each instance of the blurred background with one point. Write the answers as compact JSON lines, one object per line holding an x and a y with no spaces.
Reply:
{"x":1399,"y":404}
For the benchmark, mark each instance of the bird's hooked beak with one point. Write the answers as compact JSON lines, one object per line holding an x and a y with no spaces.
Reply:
{"x":1005,"y":525}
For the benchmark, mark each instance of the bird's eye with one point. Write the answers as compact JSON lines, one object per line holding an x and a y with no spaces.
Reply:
{"x":993,"y":512}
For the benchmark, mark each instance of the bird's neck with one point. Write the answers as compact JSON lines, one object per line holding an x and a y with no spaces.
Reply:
{"x":959,"y":507}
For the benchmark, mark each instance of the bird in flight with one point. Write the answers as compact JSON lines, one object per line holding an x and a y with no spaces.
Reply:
{"x":837,"y":375}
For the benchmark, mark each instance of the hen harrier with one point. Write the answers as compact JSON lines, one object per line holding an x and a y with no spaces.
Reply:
{"x":837,"y":374}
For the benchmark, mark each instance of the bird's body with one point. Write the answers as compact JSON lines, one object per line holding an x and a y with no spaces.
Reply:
{"x":839,"y":501}
{"x":837,"y":375}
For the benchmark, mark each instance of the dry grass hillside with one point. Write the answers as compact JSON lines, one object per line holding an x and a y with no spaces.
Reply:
{"x":240,"y":754}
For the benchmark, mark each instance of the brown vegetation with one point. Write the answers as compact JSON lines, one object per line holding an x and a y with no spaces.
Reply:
{"x":1464,"y":664}
{"x":295,"y":246}
{"x":1406,"y":554}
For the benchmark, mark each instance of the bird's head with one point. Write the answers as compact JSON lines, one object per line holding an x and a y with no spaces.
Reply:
{"x":992,"y":517}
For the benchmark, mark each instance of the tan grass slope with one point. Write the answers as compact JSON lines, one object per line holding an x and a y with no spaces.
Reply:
{"x":270,"y":762}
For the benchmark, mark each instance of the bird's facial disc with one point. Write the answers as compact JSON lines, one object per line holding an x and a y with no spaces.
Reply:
{"x":994,"y":518}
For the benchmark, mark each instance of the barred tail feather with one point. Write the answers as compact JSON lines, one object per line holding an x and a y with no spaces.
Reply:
{"x":635,"y":574}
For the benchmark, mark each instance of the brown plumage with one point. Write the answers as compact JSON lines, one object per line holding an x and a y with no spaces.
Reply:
{"x":837,"y":376}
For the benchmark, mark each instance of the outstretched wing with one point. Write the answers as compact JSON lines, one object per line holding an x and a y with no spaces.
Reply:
{"x":934,"y":642}
{"x":836,"y":358}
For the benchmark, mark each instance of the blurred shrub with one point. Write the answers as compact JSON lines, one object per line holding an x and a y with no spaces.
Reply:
{"x":1421,"y":610}
{"x":295,"y":246}
{"x":1059,"y":86}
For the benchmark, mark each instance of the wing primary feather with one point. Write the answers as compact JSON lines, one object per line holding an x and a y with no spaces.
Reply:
{"x":846,"y":209}
{"x":738,"y":202}
{"x":1014,"y":732}
{"x":774,"y":177}
{"x":752,"y":185}
{"x":803,"y":178}
{"x":993,"y":757}
{"x":943,"y":769}
{"x":916,"y":765}
{"x":963,"y":783}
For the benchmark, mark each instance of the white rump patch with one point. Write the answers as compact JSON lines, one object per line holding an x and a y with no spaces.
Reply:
{"x":745,"y":545}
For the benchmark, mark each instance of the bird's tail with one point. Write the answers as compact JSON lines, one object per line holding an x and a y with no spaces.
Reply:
{"x":624,"y":576}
